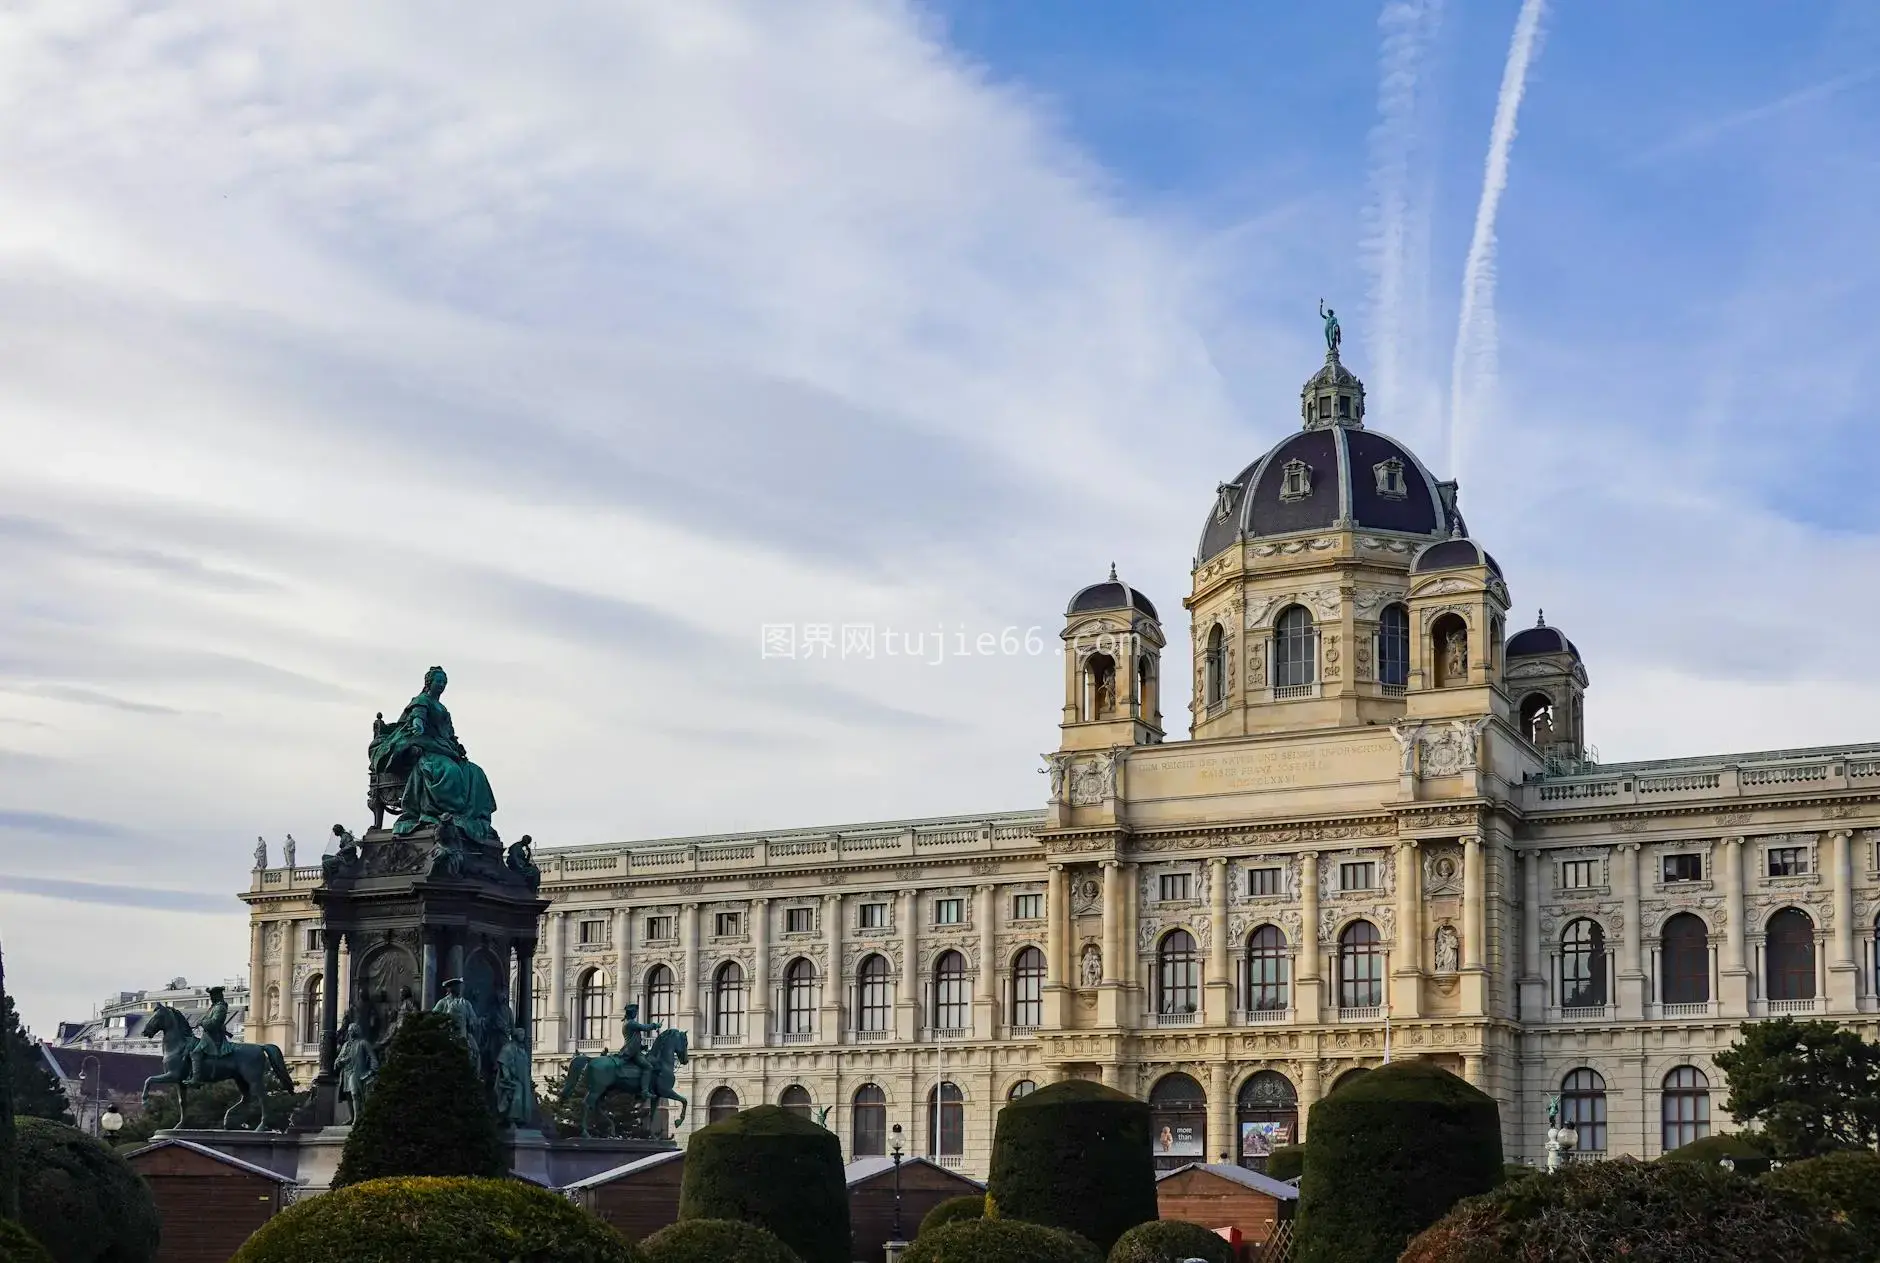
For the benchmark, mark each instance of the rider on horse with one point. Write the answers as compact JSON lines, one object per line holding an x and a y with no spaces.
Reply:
{"x":214,"y":1030}
{"x":633,"y":1033}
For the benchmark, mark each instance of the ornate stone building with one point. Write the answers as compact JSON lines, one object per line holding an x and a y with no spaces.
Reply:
{"x":1385,"y":837}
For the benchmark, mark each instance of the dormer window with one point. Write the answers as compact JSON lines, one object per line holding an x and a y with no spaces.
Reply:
{"x":1390,"y":484}
{"x":1295,"y":481}
{"x":1224,"y":500}
{"x":1344,"y":405}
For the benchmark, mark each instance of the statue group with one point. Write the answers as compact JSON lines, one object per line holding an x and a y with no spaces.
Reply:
{"x":644,"y":1070}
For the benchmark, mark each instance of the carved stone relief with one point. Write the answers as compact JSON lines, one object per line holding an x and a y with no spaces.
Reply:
{"x":1442,"y":869}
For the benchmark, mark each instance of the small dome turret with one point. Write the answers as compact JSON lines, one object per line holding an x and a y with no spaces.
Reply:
{"x":1539,"y":640}
{"x":1111,"y":594}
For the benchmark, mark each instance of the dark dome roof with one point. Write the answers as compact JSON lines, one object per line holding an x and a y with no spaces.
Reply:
{"x":1451,"y":554}
{"x":1537,"y":640}
{"x":1111,"y":594}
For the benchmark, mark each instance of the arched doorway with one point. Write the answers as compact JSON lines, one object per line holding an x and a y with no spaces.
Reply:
{"x":1267,"y":1117}
{"x":1178,"y":1122}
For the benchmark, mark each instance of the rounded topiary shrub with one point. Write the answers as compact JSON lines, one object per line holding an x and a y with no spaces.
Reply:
{"x":80,"y":1200}
{"x":716,"y":1241}
{"x":1074,"y":1155}
{"x":1288,"y":1162}
{"x":1517,"y":1171}
{"x":429,"y":1219}
{"x":427,"y":1114}
{"x":1844,"y":1185}
{"x":1642,"y":1212}
{"x":1712,"y":1150}
{"x":1000,"y":1241}
{"x":1388,"y":1155}
{"x":778,"y":1170}
{"x":1170,"y":1241}
{"x":952,"y":1210}
{"x":17,"y":1245}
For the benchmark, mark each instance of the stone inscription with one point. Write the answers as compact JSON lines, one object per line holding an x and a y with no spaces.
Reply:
{"x":1285,"y":768}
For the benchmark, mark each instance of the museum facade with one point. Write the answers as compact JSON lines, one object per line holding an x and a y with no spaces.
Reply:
{"x":1385,"y":838}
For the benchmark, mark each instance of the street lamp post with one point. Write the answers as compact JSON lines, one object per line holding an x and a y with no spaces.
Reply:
{"x":111,"y":1121}
{"x":1562,"y":1136}
{"x":897,"y":1242}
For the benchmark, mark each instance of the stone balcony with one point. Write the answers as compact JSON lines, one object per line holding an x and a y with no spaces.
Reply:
{"x":1674,"y":781}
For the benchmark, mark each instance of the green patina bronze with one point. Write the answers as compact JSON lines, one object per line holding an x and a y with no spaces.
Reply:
{"x":358,"y":1067}
{"x":190,"y":1060}
{"x":1333,"y":334}
{"x":463,"y":1015}
{"x":515,"y":1089}
{"x":441,"y":786}
{"x":607,"y":1074}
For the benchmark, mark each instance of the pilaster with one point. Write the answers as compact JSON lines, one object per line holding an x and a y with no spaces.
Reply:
{"x":690,"y":985}
{"x":1406,"y":982}
{"x":907,"y":1014}
{"x":1474,"y":895}
{"x":1220,"y":1115}
{"x":1218,"y":994}
{"x":556,"y":1034}
{"x":1533,"y":982}
{"x":1109,"y":992}
{"x":1307,"y":1004}
{"x":833,"y":982}
{"x":986,"y":992}
{"x":1057,"y":933}
{"x":1733,"y":968}
{"x":757,"y":1024}
{"x":1843,"y":972}
{"x":1632,"y":980}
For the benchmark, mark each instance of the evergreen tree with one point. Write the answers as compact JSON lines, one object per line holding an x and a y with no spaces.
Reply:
{"x":36,"y":1092}
{"x":427,"y":1113}
{"x":9,"y":1142}
{"x":1808,"y":1087}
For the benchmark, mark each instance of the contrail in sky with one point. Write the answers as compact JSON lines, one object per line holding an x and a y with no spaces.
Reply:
{"x":1476,"y":342}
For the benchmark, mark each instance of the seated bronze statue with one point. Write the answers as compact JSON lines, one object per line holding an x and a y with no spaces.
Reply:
{"x":420,"y":769}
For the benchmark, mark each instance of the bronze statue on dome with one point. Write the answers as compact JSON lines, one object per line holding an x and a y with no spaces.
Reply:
{"x":1333,"y":334}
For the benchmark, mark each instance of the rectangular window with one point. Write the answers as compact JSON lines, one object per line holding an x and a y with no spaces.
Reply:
{"x":874,"y":916}
{"x":593,"y":932}
{"x":1361,"y":875}
{"x":1175,"y":887}
{"x":316,"y":940}
{"x":729,"y":924}
{"x":799,"y":920}
{"x":1262,"y":882}
{"x":1027,"y":907}
{"x":1788,"y":861}
{"x":949,"y":911}
{"x":659,"y":929}
{"x":1579,"y":874}
{"x":1684,"y":868}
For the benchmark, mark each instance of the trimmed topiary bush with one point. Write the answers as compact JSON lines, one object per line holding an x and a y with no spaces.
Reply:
{"x":17,"y":1245}
{"x":1001,"y":1241}
{"x":952,"y":1210}
{"x":716,"y":1241}
{"x":81,"y":1201}
{"x":428,"y":1219}
{"x":1642,"y":1212}
{"x":1170,"y":1241}
{"x":1517,"y":1171}
{"x":778,"y":1170}
{"x":1074,"y":1155}
{"x":1387,"y":1156}
{"x":1844,"y":1186}
{"x":426,"y":1115}
{"x":1712,"y":1150}
{"x":1288,"y":1162}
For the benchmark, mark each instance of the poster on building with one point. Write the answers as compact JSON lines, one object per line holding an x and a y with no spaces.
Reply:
{"x":1259,"y":1139}
{"x":1180,"y":1140}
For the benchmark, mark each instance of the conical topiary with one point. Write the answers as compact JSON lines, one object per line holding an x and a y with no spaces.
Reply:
{"x":427,"y":1114}
{"x":1074,"y":1155}
{"x":778,"y":1170}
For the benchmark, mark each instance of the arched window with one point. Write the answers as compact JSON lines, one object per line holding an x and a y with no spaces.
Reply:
{"x":1028,"y":988}
{"x":1684,"y":961}
{"x":868,"y":1122}
{"x":799,"y":997}
{"x":1582,"y":965}
{"x":876,"y":1004}
{"x":1177,"y":974}
{"x":1099,"y":686}
{"x":952,"y":1002}
{"x":1024,"y":1087}
{"x":1267,"y":1110}
{"x":720,"y":1105}
{"x":1537,"y":720}
{"x":1178,"y":1121}
{"x":728,"y":1002}
{"x":1789,"y":956}
{"x":662,"y":996}
{"x":1360,"y":967}
{"x":795,"y":1098}
{"x":590,"y":1006}
{"x":1393,"y":646}
{"x":1214,"y":667}
{"x":313,"y":1004}
{"x":1449,"y":646}
{"x":1266,"y":969}
{"x":946,"y":1121}
{"x":1295,"y":649}
{"x":1686,"y":1107}
{"x":1583,"y":1103}
{"x":1146,"y":700}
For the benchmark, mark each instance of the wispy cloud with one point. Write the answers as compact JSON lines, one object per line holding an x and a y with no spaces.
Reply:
{"x":1473,"y":364}
{"x":1712,"y":130}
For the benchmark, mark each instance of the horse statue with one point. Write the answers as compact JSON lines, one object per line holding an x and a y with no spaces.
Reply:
{"x":247,"y":1064}
{"x":607,"y":1073}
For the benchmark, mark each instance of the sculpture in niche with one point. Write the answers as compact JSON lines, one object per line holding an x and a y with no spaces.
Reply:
{"x":1092,"y":964}
{"x":1455,"y":663}
{"x":1448,"y":949}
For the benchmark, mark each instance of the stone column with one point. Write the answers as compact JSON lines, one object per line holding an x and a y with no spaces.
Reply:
{"x":1220,"y":1141}
{"x":1533,"y":980}
{"x":623,"y":962}
{"x":907,"y":1003}
{"x":1218,"y":996}
{"x":986,"y":1001}
{"x":258,"y":985}
{"x":1472,"y":1068}
{"x":525,"y":991}
{"x":1406,"y":983}
{"x":1057,"y":913}
{"x":833,"y":979}
{"x":1843,"y":971}
{"x":1112,"y":921}
{"x":1308,"y":1093}
{"x":1308,"y":984}
{"x":757,"y":1024}
{"x":557,"y":1023}
{"x":329,"y":1003}
{"x":1474,"y":950}
{"x":428,"y":975}
{"x":1733,"y":969}
{"x":1632,"y":980}
{"x":689,"y":986}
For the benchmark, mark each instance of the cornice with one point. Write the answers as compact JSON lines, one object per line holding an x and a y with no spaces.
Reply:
{"x":1736,"y":812}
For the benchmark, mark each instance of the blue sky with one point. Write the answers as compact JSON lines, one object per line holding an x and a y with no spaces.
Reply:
{"x":569,"y":350}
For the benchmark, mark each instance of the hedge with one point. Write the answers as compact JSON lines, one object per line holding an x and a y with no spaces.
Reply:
{"x":716,"y":1241}
{"x":80,"y":1200}
{"x":778,"y":1170}
{"x":1845,"y":1186}
{"x":1288,"y":1162}
{"x":1387,"y":1156}
{"x":1001,"y":1241}
{"x":952,"y":1210}
{"x":1642,"y":1212}
{"x":1712,"y":1150}
{"x":1517,"y":1171}
{"x":431,"y":1219}
{"x":1170,"y":1241}
{"x":17,"y":1245}
{"x":427,"y":1113}
{"x":1074,"y":1155}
